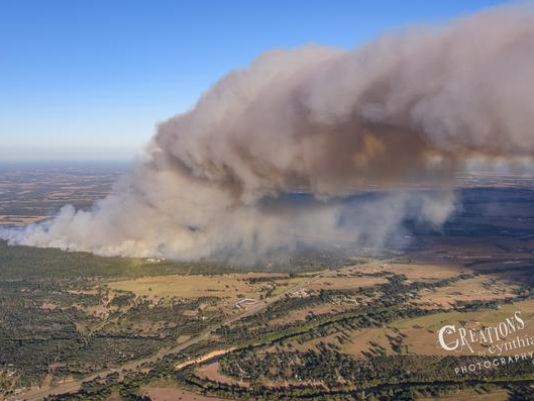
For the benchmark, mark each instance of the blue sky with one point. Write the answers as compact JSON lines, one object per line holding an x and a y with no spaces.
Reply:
{"x":88,"y":79}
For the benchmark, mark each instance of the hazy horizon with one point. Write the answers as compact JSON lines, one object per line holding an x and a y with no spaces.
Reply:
{"x":61,"y":154}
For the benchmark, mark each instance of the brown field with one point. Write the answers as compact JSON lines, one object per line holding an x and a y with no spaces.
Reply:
{"x":340,"y":282}
{"x":211,"y":372}
{"x":193,"y":286}
{"x":480,"y":288}
{"x":421,"y":333}
{"x":366,"y":340}
{"x":175,"y":394}
{"x":413,"y":271}
{"x":427,"y":272}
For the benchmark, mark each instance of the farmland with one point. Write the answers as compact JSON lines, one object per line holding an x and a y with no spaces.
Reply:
{"x":75,"y":326}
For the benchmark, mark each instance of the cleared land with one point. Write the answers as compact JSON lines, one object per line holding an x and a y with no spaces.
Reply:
{"x":174,"y":394}
{"x":119,"y":329}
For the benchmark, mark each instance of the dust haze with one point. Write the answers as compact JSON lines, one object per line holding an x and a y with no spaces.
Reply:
{"x":405,"y":111}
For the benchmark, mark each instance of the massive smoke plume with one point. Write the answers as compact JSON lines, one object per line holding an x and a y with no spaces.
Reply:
{"x":407,"y":109}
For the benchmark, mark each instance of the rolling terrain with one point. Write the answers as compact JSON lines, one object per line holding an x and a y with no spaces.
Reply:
{"x":75,"y":326}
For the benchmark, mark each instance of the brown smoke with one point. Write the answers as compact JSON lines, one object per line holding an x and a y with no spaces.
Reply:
{"x":408,"y":108}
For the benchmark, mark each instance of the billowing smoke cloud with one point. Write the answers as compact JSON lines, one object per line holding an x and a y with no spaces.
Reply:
{"x":407,"y":109}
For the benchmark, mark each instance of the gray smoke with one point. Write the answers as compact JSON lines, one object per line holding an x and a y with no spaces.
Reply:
{"x":406,"y":110}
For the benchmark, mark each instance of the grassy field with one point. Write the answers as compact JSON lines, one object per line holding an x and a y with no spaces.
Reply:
{"x":435,"y":321}
{"x":480,"y":288}
{"x":193,"y":286}
{"x":421,"y":333}
{"x":186,"y":286}
{"x":412,"y":271}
